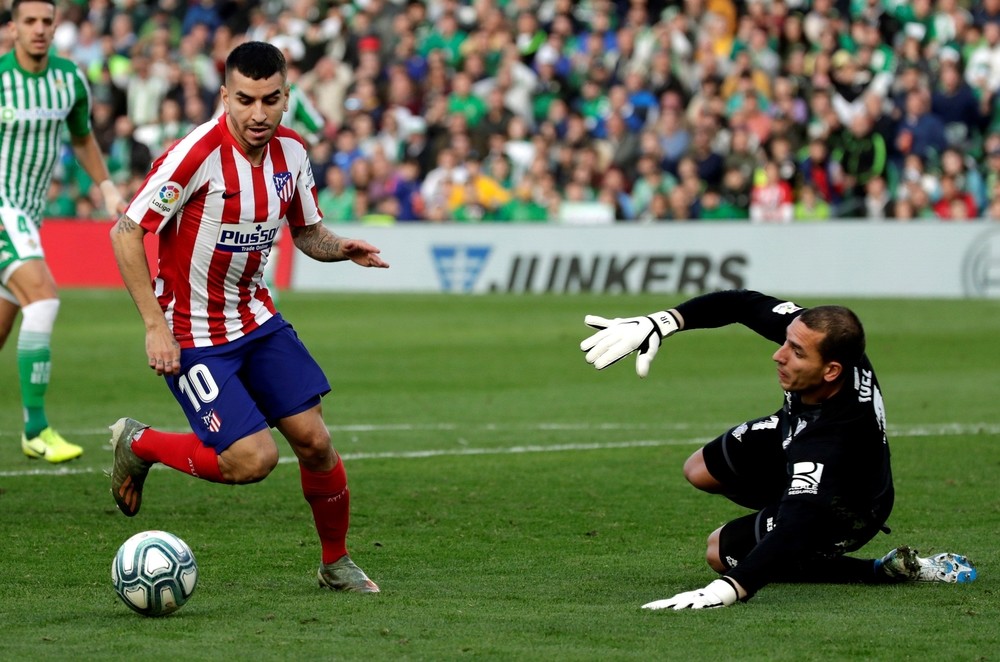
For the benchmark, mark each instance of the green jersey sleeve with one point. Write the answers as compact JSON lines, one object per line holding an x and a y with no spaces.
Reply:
{"x":78,"y":120}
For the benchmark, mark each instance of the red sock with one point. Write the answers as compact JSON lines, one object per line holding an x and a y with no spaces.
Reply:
{"x":330,"y":500}
{"x":182,"y":451}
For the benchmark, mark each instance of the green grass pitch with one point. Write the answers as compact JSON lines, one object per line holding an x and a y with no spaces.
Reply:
{"x":512,"y":502}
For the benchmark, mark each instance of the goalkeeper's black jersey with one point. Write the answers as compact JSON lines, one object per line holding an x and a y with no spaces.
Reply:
{"x":839,"y":479}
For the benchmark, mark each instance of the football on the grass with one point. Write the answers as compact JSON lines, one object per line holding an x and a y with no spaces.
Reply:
{"x":154,"y":573}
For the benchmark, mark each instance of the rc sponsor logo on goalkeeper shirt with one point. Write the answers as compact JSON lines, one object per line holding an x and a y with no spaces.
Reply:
{"x":806,"y":477}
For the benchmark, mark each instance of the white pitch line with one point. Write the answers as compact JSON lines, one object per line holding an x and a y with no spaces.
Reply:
{"x":937,"y":429}
{"x":405,"y":455}
{"x":919,"y":430}
{"x":444,"y":427}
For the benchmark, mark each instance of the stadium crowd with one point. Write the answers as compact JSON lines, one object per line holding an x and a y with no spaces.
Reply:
{"x":627,"y":110}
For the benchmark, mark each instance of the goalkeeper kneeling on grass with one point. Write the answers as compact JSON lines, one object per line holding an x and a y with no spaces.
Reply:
{"x":816,"y":472}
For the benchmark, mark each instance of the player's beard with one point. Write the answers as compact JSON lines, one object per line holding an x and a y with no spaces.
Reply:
{"x":36,"y":50}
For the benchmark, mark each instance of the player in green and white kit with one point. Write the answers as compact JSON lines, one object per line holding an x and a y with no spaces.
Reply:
{"x":41,"y":96}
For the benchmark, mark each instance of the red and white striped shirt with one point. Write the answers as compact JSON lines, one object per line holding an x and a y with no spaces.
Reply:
{"x":217,"y":216}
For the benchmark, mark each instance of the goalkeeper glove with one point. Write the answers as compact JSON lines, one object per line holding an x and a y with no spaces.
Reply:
{"x":720,"y":593}
{"x":619,"y":337}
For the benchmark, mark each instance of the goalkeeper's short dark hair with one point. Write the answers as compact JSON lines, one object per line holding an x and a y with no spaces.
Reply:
{"x":843,"y":335}
{"x":256,"y":60}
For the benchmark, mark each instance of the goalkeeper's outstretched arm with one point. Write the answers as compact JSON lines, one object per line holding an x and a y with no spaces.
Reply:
{"x":618,"y":337}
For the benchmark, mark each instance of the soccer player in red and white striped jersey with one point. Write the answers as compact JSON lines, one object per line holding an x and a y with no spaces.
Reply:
{"x":216,"y":201}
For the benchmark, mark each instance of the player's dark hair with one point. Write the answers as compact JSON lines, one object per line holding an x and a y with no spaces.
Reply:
{"x":17,"y":3}
{"x":843,"y":336}
{"x":256,"y":60}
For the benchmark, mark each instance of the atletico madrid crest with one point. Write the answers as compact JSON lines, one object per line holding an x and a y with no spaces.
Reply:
{"x":212,"y":421}
{"x":283,"y":185}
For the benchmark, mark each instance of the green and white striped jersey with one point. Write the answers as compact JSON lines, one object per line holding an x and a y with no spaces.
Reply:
{"x":34,"y":108}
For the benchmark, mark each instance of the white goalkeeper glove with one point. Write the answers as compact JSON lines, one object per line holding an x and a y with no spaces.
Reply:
{"x":619,"y":337}
{"x":720,"y":593}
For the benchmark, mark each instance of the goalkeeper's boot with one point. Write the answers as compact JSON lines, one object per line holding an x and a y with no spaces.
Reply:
{"x":903,"y":563}
{"x":50,"y":445}
{"x":128,"y":472}
{"x":344,"y":575}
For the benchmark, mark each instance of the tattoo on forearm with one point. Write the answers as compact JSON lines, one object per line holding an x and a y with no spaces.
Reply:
{"x":321,"y":245}
{"x":124,"y":226}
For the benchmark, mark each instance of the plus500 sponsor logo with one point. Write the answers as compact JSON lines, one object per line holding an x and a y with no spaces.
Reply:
{"x":240,"y":241}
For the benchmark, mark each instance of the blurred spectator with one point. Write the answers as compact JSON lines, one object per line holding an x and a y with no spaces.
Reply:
{"x":878,"y":200}
{"x":436,"y":187}
{"x":919,"y":131}
{"x":964,"y":115}
{"x":742,"y":153}
{"x":189,"y":91}
{"x":982,"y":68}
{"x":407,"y":191}
{"x":523,"y":207}
{"x":620,"y":146}
{"x":86,"y":50}
{"x":809,"y":206}
{"x":954,"y":203}
{"x":651,"y":180}
{"x":734,"y":194}
{"x":169,"y":127}
{"x":862,"y":155}
{"x":823,"y":174}
{"x":346,"y":150}
{"x":966,"y":176}
{"x":337,"y":197}
{"x":201,"y":12}
{"x":122,"y":33}
{"x":771,"y":198}
{"x":445,"y":37}
{"x":60,"y":203}
{"x":145,"y":92}
{"x":709,"y":164}
{"x":462,"y":101}
{"x":103,"y":124}
{"x":613,"y":191}
{"x":364,"y":134}
{"x":127,"y":156}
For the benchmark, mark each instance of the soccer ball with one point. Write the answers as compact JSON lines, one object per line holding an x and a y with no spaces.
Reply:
{"x":154,"y":573}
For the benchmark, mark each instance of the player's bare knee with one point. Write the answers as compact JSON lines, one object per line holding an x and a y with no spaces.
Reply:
{"x":255,"y":468}
{"x":317,"y":455}
{"x":696,"y":473}
{"x":314,"y":449}
{"x":8,"y":312}
{"x":249,"y":460}
{"x":712,"y":556}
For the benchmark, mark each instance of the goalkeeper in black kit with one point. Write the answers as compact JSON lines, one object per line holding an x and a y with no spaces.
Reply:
{"x":816,"y":472}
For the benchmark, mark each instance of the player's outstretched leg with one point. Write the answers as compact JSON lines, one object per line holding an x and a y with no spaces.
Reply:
{"x":128,"y":472}
{"x":903,"y":563}
{"x":344,"y":575}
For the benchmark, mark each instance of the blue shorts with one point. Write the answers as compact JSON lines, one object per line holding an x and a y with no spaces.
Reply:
{"x":231,"y":391}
